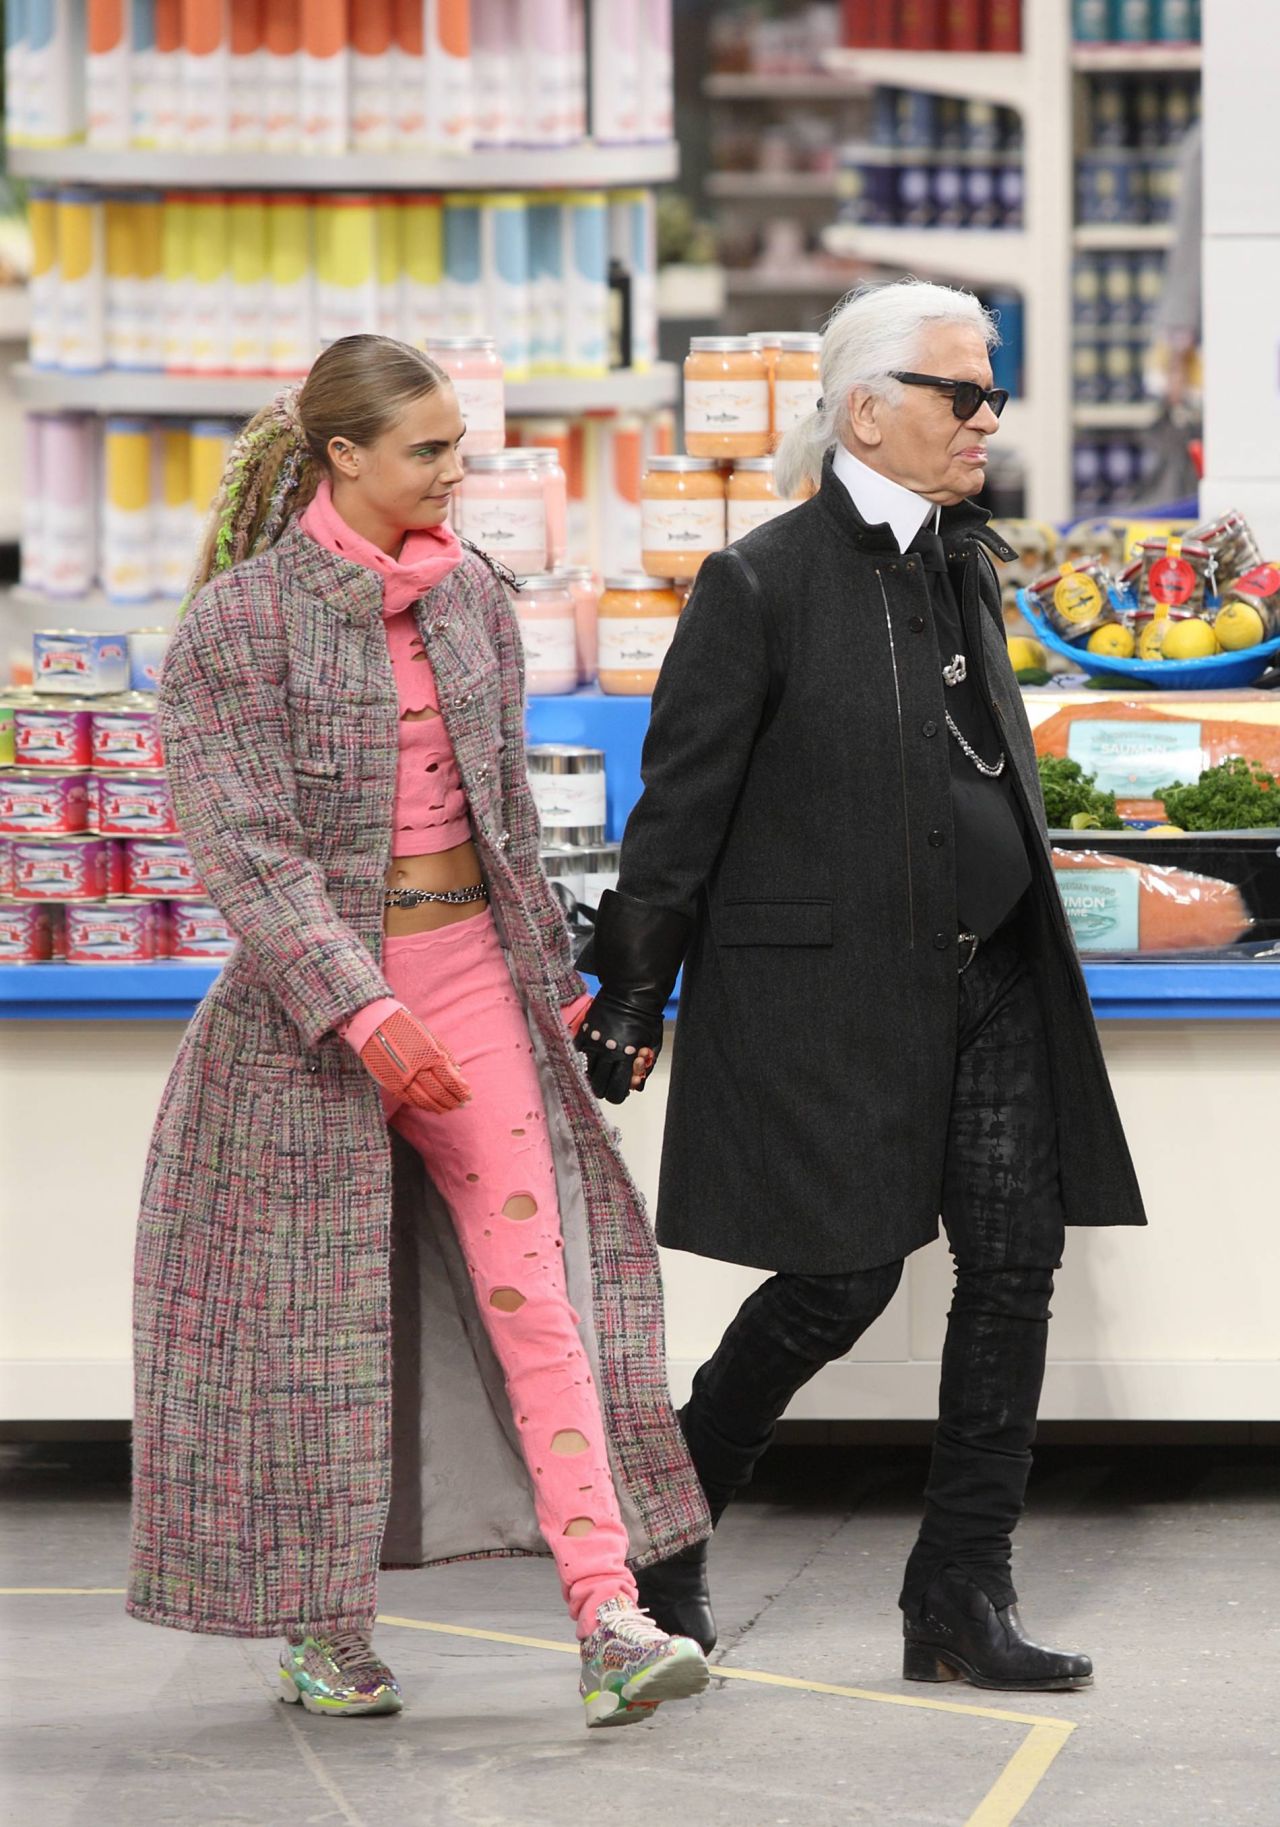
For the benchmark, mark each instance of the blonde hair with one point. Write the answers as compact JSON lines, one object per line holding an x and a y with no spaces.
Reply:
{"x":356,"y":389}
{"x":874,"y":331}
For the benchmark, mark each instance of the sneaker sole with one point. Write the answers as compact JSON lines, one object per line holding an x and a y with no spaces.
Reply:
{"x":293,"y":1695}
{"x":678,"y":1677}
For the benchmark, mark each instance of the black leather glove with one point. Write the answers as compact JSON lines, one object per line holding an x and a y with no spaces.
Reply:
{"x":636,"y":951}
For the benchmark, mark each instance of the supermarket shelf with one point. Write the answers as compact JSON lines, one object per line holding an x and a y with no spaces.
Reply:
{"x":95,"y":603}
{"x":748,"y":86}
{"x":562,"y":167}
{"x":1137,"y":417}
{"x":686,"y":292}
{"x":1125,"y":236}
{"x":1166,"y":991}
{"x":999,"y":258}
{"x":1137,"y":59}
{"x":124,"y":390}
{"x":994,"y":76}
{"x":767,"y":186}
{"x":15,"y":313}
{"x":795,"y":282}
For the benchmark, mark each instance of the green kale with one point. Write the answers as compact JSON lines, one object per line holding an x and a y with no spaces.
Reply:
{"x":1070,"y":793}
{"x":1237,"y":795}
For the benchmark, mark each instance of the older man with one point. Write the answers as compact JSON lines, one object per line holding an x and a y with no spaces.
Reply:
{"x":883,"y":1018}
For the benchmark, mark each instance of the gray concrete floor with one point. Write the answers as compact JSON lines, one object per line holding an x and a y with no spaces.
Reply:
{"x":1163,"y":1563}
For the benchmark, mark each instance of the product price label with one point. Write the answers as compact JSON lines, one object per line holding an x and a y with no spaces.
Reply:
{"x":793,"y":401}
{"x":569,"y":799}
{"x":635,"y":643}
{"x":745,"y":516}
{"x":682,"y":526}
{"x":1102,"y":907}
{"x":726,"y":406}
{"x":1133,"y":760}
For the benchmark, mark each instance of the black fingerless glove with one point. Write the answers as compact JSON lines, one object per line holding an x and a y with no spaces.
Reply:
{"x":636,"y":951}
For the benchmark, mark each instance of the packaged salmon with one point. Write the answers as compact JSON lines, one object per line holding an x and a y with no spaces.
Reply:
{"x":1133,"y":748}
{"x":1121,"y":904}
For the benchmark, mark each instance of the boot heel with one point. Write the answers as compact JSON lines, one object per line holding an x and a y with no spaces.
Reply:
{"x":922,"y":1662}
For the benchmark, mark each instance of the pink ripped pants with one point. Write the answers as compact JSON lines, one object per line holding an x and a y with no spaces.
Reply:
{"x":491,"y":1162}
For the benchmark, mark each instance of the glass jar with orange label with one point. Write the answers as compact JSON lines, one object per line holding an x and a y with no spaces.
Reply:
{"x":636,"y":625}
{"x":726,"y":398}
{"x":682,"y":514}
{"x":798,"y":385}
{"x":753,"y":496}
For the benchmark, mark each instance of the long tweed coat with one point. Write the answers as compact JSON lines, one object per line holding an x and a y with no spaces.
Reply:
{"x":797,"y":803}
{"x":270,"y":1276}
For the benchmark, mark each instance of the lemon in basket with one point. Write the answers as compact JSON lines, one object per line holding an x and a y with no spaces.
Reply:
{"x":1025,"y":655}
{"x":1112,"y":639}
{"x":1189,"y":640}
{"x":1238,"y":625}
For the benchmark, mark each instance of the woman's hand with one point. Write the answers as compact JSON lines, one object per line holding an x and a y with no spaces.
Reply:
{"x":409,"y":1062}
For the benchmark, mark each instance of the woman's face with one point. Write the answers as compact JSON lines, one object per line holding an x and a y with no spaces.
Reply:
{"x":404,"y":480}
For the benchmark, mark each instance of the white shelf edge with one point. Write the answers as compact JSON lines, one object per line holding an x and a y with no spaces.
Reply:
{"x":799,"y":282}
{"x":768,"y":186}
{"x":999,"y":257}
{"x":1133,"y":236}
{"x":124,"y":390}
{"x":1138,"y":416}
{"x":750,"y":86}
{"x":582,"y":167}
{"x":149,"y":612}
{"x":993,"y":76}
{"x":1141,"y":59}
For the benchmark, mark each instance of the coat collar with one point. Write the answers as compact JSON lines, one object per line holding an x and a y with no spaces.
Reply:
{"x":960,"y":525}
{"x":350,"y":588}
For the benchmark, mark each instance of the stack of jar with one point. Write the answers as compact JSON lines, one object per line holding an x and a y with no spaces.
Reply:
{"x":91,"y":866}
{"x":569,"y":784}
{"x":742,"y":394}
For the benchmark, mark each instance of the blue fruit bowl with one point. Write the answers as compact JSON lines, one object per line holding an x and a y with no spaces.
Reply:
{"x":1220,"y":669}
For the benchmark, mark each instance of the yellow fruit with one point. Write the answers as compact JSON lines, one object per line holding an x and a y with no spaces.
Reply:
{"x":1025,"y":654}
{"x":1238,"y":625}
{"x":1164,"y":831}
{"x":1189,"y":640}
{"x":1114,"y":639}
{"x":1150,"y":637}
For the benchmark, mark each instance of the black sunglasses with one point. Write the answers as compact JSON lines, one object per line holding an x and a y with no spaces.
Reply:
{"x":966,"y":396}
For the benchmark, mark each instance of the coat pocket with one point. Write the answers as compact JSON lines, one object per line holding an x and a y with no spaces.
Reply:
{"x":774,"y":923}
{"x":315,"y":771}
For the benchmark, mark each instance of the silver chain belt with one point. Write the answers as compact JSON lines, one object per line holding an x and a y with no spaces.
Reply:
{"x":450,"y":897}
{"x":993,"y":771}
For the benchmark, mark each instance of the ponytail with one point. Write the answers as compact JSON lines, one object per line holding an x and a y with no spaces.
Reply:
{"x":797,"y":467}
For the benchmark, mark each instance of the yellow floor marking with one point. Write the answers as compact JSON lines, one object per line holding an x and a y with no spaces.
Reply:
{"x":1000,"y":1806}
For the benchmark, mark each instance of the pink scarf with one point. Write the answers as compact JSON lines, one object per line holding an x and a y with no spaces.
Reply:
{"x":427,"y":556}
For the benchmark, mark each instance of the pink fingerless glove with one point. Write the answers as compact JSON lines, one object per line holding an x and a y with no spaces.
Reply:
{"x":408,"y":1061}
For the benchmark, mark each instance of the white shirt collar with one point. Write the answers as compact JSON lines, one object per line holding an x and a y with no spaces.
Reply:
{"x":879,"y":499}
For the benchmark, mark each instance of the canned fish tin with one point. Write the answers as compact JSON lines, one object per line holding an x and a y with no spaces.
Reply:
{"x":132,"y":804}
{"x":65,"y":869}
{"x":50,"y":802}
{"x":163,"y":870}
{"x":78,"y":663}
{"x":6,"y":868}
{"x":147,"y":648}
{"x":11,"y":702}
{"x":1176,"y":574}
{"x":112,"y":932}
{"x":52,"y":735}
{"x":1230,"y":539}
{"x":199,"y":932}
{"x":127,"y":734}
{"x":1075,"y":599}
{"x":568,"y":786}
{"x":26,"y":935}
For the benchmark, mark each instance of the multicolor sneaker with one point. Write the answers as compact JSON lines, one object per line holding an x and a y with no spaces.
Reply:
{"x":337,"y":1672}
{"x":629,"y":1666}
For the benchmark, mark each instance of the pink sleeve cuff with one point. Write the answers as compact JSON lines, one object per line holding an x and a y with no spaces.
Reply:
{"x":574,"y":1011}
{"x":366,"y":1021}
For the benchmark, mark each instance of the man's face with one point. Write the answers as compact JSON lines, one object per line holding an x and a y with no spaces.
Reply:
{"x":917,"y":440}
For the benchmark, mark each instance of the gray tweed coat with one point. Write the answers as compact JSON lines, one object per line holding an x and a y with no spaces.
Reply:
{"x":276,"y":1454}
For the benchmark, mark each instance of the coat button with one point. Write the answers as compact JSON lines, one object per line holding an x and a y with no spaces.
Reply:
{"x":916,"y":624}
{"x":940,"y":942}
{"x":928,"y":727}
{"x":936,"y":840}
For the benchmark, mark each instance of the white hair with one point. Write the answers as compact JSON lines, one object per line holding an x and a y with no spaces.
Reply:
{"x":869,"y":335}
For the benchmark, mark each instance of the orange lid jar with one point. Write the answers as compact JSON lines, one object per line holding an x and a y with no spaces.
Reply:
{"x":798,"y":385}
{"x":726,"y":398}
{"x":753,"y":497}
{"x":682,"y":514}
{"x":636,"y":625}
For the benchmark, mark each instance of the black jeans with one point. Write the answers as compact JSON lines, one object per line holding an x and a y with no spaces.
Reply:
{"x":1002,"y":1211}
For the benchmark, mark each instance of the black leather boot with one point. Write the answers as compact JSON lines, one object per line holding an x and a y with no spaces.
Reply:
{"x":961,"y":1635}
{"x":675,"y":1594}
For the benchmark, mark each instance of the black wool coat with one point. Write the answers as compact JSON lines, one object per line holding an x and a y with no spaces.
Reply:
{"x":797,"y":803}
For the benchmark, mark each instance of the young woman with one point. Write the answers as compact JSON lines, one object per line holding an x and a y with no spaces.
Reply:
{"x":318,"y":1382}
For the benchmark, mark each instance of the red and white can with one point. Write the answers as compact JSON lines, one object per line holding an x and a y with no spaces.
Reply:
{"x":126,"y":734}
{"x":199,"y":932}
{"x":46,"y":802}
{"x":26,"y":935}
{"x":132,"y":805}
{"x":65,"y":869}
{"x":112,"y":932}
{"x":160,"y":869}
{"x":51,"y":735}
{"x":6,"y":868}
